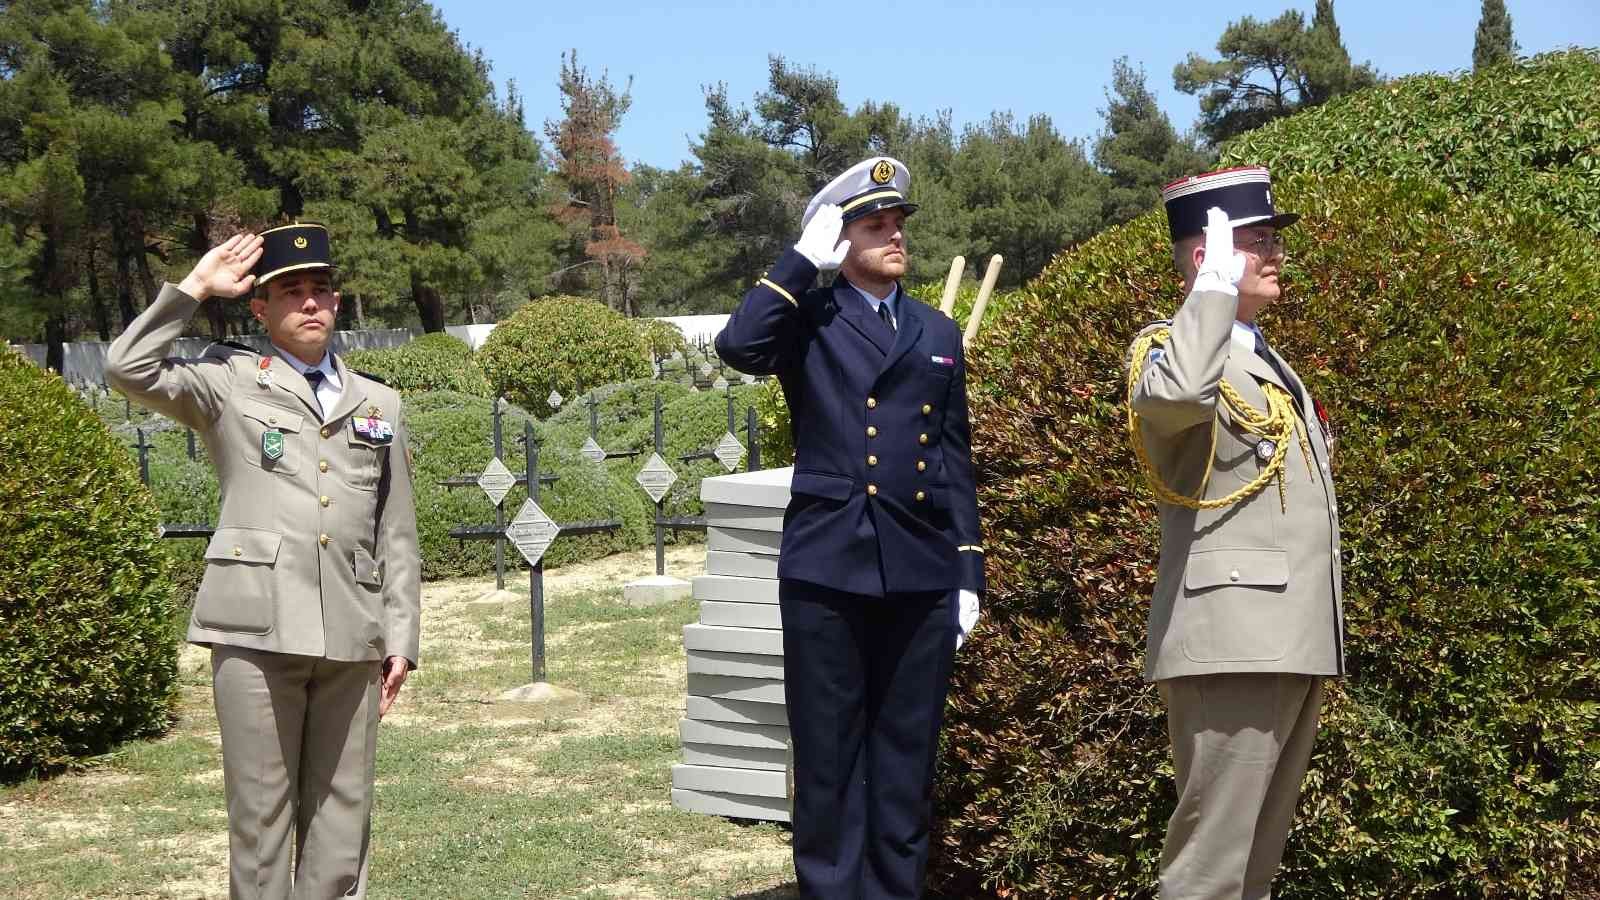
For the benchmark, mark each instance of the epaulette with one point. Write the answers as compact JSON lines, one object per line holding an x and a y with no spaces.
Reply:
{"x":369,"y":376}
{"x":1153,"y":326}
{"x":220,"y":348}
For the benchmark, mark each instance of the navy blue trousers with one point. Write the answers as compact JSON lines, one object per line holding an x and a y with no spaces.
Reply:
{"x":865,"y":681}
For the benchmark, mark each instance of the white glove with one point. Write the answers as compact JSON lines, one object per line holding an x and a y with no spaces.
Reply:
{"x":1223,"y":266}
{"x":820,"y":241}
{"x":966,"y":616}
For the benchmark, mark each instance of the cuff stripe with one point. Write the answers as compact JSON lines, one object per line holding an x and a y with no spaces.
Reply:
{"x":973,"y":547}
{"x":786,"y":295}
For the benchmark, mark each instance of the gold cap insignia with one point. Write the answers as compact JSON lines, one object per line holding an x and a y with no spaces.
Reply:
{"x":300,"y":243}
{"x":883,"y":172}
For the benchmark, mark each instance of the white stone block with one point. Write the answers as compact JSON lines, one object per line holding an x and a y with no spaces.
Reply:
{"x":735,"y":806}
{"x":736,"y":757}
{"x":735,"y":712}
{"x":743,"y":540}
{"x":733,"y":589}
{"x":764,"y":487}
{"x":728,"y":687}
{"x":654,"y":590}
{"x":737,"y":665}
{"x":752,"y":518}
{"x":768,"y":641}
{"x":750,"y":782}
{"x":741,"y":615}
{"x":746,"y":565}
{"x":730,"y":734}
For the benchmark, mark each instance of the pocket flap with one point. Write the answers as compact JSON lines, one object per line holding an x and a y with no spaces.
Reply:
{"x":822,"y":484}
{"x":367,"y":572}
{"x":1252,"y":566}
{"x":271,"y":416}
{"x":248,"y":545}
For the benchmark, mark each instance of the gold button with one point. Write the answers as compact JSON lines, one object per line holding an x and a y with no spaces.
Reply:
{"x":922,"y":438}
{"x":872,"y":403}
{"x":921,"y":496}
{"x":872,"y":431}
{"x":922,"y":465}
{"x":322,"y":466}
{"x":872,"y":490}
{"x":324,"y":540}
{"x":872,"y":460}
{"x":327,"y":432}
{"x":323,"y":500}
{"x":927,"y":408}
{"x":238,"y":551}
{"x":272,"y":420}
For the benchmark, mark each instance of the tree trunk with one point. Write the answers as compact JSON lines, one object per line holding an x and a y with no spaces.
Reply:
{"x":430,"y":306}
{"x":124,"y":277}
{"x":55,"y":340}
{"x":102,"y":315}
{"x":361,"y":315}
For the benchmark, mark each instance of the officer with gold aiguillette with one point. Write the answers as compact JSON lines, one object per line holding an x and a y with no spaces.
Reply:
{"x":880,"y":569}
{"x":1247,"y":618}
{"x":311,"y":595}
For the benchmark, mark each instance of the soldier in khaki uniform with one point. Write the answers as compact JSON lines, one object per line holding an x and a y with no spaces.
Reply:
{"x":310,"y":600}
{"x":1246,"y":621}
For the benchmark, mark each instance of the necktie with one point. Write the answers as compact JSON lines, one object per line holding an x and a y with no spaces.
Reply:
{"x":885,"y":315}
{"x":1261,"y":351}
{"x":314,"y":378}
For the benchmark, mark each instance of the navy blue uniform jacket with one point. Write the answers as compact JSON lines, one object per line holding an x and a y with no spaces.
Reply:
{"x":883,"y":498}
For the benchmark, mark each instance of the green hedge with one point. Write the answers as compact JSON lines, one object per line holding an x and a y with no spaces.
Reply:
{"x":431,"y":362}
{"x":87,"y":657}
{"x":1454,"y":344}
{"x":1526,"y":133}
{"x":561,"y":343}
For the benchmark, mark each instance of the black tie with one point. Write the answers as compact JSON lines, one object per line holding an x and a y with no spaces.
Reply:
{"x":884,"y":314}
{"x":1269,"y":359}
{"x":314,"y":378}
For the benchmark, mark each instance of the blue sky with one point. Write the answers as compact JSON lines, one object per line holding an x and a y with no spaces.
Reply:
{"x":925,"y":57}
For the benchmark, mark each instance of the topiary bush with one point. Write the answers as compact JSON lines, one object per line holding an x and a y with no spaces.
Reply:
{"x":432,"y":362}
{"x":1453,"y":343}
{"x":87,"y":657}
{"x":1526,"y":133}
{"x":561,"y":343}
{"x":661,"y":338}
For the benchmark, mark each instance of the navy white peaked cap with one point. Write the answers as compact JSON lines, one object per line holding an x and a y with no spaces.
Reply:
{"x":866,"y":187}
{"x":1244,"y":193}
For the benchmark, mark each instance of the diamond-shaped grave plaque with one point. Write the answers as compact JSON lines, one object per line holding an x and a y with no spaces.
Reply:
{"x":656,"y":477}
{"x":532,"y":531}
{"x":694,"y":389}
{"x":706,"y":368}
{"x":592,"y":451}
{"x":496,"y":480}
{"x":720,"y":384}
{"x":554,"y":399}
{"x":730,"y":451}
{"x":747,"y":378}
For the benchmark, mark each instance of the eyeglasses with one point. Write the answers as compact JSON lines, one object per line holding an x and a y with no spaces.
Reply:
{"x":1265,"y":247}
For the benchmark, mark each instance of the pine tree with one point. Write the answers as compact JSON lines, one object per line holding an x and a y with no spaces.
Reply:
{"x":1139,"y":149}
{"x":1494,"y":43}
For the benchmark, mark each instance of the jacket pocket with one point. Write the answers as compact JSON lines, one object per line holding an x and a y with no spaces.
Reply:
{"x":1237,"y":605}
{"x":822,"y":484}
{"x":1242,"y":566}
{"x":275,"y":454}
{"x":239,"y":590}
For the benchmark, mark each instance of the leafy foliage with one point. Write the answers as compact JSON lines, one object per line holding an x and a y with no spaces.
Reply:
{"x":561,"y":343}
{"x":661,"y":338}
{"x":1526,"y":134}
{"x":431,"y":362}
{"x":1453,"y":343}
{"x":87,"y":657}
{"x":1139,"y":150}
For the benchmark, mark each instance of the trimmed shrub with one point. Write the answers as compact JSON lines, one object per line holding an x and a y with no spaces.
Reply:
{"x":1526,"y":133}
{"x":691,"y":423}
{"x":1453,"y":343}
{"x":932,"y":293}
{"x":661,"y":338}
{"x":561,"y":343}
{"x":450,"y":435}
{"x":432,"y":362}
{"x":87,"y":657}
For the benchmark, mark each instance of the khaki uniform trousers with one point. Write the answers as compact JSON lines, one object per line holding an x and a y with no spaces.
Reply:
{"x":1240,"y":747}
{"x":299,"y":743}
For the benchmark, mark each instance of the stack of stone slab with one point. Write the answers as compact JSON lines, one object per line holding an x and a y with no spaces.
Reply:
{"x":735,"y":729}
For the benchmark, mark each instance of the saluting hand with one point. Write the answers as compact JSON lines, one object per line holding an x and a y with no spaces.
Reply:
{"x":820,"y":241}
{"x":1223,"y":266}
{"x":225,"y":269}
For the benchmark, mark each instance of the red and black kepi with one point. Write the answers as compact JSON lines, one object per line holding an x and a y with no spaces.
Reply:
{"x":1244,"y":193}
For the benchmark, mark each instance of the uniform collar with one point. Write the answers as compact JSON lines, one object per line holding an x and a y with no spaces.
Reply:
{"x":1247,"y":337}
{"x":326,"y":366}
{"x":874,"y":302}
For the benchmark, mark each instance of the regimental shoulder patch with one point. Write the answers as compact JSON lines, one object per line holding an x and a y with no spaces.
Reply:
{"x":883,"y":172}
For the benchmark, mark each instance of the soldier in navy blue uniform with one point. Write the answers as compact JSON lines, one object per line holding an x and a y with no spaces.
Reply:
{"x":881,"y":565}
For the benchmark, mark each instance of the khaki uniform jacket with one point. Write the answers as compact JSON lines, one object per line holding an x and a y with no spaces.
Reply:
{"x":1252,"y":587}
{"x":315,"y":553}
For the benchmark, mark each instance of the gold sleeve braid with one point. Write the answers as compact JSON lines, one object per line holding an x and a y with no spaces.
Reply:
{"x":1278,"y":424}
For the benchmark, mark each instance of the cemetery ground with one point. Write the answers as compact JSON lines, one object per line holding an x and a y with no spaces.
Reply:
{"x":476,"y":798}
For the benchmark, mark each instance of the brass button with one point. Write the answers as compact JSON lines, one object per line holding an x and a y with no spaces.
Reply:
{"x":922,"y":465}
{"x":872,"y":431}
{"x":328,"y":431}
{"x":272,"y":420}
{"x":927,"y":408}
{"x":323,"y":500}
{"x":872,"y":490}
{"x":872,"y":403}
{"x":324,"y":540}
{"x":872,"y":460}
{"x":238,"y":551}
{"x":322,"y":466}
{"x":921,"y":496}
{"x":922,"y":438}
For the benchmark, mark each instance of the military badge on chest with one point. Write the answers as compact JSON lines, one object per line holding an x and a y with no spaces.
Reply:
{"x":272,"y":444}
{"x":372,"y":427}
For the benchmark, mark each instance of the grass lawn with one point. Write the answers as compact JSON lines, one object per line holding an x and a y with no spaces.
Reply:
{"x":476,"y":798}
